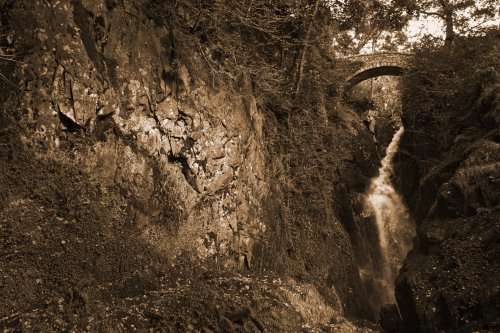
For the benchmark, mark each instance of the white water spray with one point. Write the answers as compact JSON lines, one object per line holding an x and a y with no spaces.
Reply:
{"x":395,"y":227}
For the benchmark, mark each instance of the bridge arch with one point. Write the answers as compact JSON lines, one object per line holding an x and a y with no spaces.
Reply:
{"x":377,"y":64}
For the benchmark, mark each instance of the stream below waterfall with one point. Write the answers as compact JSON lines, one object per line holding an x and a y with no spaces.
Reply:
{"x":394,"y":226}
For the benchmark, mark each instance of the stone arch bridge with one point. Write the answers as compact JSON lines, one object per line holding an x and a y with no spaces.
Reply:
{"x":376,"y":64}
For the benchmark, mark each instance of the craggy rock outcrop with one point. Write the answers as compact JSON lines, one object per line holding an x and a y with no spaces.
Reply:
{"x":449,"y":282}
{"x":73,"y":259}
{"x":188,"y":157}
{"x":177,"y":167}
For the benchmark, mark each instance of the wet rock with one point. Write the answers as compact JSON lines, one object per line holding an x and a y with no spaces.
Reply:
{"x":390,"y":320}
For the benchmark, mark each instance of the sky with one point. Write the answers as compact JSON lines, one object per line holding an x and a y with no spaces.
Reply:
{"x":419,"y":27}
{"x":424,"y":26}
{"x":430,"y":25}
{"x":416,"y":29}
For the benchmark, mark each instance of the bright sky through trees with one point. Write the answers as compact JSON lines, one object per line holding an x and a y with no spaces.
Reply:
{"x":431,"y":25}
{"x":466,"y":21}
{"x":424,"y":26}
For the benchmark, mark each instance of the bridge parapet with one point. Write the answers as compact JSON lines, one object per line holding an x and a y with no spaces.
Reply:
{"x":377,"y":64}
{"x":382,"y":59}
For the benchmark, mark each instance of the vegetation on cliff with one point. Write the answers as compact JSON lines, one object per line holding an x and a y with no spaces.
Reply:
{"x":451,"y":105}
{"x":449,"y":172}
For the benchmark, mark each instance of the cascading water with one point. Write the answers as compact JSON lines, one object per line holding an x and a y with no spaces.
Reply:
{"x":394,"y":225}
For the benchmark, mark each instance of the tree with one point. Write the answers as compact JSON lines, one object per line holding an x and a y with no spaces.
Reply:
{"x":457,"y":15}
{"x":303,"y":51}
{"x":360,"y":22}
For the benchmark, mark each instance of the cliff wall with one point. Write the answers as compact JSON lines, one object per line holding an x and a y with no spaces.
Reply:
{"x":99,"y":89}
{"x":449,"y":173}
{"x":141,"y":168}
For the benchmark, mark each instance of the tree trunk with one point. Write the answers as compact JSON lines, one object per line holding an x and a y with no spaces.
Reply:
{"x":303,"y":51}
{"x":448,"y":20}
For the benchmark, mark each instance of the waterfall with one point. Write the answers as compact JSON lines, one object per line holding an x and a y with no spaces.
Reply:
{"x":393,"y":223}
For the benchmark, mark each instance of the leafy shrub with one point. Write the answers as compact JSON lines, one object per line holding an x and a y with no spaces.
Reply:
{"x":277,"y":47}
{"x":437,"y":89}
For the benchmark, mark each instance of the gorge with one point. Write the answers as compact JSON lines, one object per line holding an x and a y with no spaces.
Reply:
{"x":197,"y":166}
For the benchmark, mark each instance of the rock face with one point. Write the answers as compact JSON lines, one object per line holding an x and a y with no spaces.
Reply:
{"x":106,"y":92}
{"x":181,"y":151}
{"x":449,"y":282}
{"x":390,"y":318}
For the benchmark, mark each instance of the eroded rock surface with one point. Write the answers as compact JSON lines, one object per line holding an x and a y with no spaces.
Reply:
{"x":156,"y":132}
{"x":138,"y":160}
